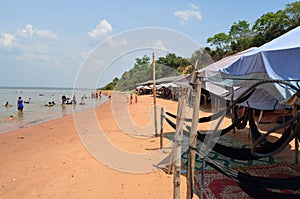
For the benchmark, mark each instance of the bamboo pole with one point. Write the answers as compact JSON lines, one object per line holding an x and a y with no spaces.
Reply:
{"x":192,"y":80}
{"x":193,"y":138}
{"x":162,"y":112}
{"x":178,"y":144}
{"x":154,"y":94}
{"x":296,"y":138}
{"x":232,"y":110}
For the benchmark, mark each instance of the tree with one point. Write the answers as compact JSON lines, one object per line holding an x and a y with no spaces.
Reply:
{"x":142,"y":70}
{"x":292,"y":11}
{"x":177,"y":63}
{"x":142,"y":62}
{"x":220,"y":40}
{"x":111,"y":85}
{"x":269,"y":26}
{"x":240,"y":34}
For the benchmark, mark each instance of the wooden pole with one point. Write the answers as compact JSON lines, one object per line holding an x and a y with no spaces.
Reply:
{"x":189,"y":96}
{"x":154,"y":94}
{"x":296,"y":138}
{"x":193,"y":139}
{"x":162,"y":113}
{"x":232,"y":110}
{"x":178,"y":144}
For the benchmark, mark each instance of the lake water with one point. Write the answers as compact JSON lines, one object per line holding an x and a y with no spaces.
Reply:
{"x":36,"y":111}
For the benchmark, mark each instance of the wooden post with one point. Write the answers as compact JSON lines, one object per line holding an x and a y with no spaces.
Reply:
{"x":189,"y":95}
{"x":296,"y":138}
{"x":232,"y":110}
{"x":154,"y":94}
{"x":193,"y":138}
{"x":178,"y":144}
{"x":162,"y":113}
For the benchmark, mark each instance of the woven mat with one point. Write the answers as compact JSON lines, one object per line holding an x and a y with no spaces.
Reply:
{"x":218,"y":186}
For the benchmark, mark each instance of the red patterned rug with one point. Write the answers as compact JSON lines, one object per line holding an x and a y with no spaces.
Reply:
{"x":218,"y":186}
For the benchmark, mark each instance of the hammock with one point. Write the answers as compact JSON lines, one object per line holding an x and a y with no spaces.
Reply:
{"x":248,"y":153}
{"x":218,"y":114}
{"x":244,"y":122}
{"x":202,"y":119}
{"x":282,"y":141}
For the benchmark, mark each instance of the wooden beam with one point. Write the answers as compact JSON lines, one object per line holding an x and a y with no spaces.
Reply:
{"x":193,"y":139}
{"x":178,"y":144}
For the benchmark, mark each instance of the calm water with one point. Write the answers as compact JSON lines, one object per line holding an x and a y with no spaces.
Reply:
{"x":36,"y":111}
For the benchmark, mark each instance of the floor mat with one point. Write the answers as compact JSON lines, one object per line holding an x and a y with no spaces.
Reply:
{"x":218,"y":186}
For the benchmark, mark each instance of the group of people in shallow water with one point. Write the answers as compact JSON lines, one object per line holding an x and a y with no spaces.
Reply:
{"x":20,"y":107}
{"x":65,"y":100}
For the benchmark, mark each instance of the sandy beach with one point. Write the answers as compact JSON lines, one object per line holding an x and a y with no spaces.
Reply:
{"x":49,"y":160}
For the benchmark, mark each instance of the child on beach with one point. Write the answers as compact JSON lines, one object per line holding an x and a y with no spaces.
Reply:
{"x":10,"y":118}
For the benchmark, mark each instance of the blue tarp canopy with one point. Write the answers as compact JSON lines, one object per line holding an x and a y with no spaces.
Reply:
{"x":258,"y":100}
{"x":211,"y":70}
{"x":277,"y":60}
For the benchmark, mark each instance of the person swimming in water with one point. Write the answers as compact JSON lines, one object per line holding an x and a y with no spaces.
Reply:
{"x":7,"y":104}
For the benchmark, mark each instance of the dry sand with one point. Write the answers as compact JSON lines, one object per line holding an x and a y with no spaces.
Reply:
{"x":49,"y":160}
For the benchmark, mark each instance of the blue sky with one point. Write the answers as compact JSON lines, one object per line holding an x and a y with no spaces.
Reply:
{"x":48,"y":43}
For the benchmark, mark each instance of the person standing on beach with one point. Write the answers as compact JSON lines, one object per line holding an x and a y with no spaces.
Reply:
{"x":20,"y":104}
{"x":136,"y":97}
{"x":131,"y":99}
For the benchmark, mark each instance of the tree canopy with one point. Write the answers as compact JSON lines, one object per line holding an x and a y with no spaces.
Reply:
{"x":242,"y":36}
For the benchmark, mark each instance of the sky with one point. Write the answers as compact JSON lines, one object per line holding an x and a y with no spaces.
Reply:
{"x":64,"y":43}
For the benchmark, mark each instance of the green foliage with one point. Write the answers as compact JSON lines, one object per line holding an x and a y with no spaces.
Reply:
{"x":170,"y":60}
{"x":220,"y":40}
{"x":142,"y":71}
{"x":111,"y":85}
{"x":266,"y":28}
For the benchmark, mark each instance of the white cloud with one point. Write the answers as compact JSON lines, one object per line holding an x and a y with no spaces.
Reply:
{"x":6,"y":39}
{"x":186,"y":15}
{"x":159,"y":44}
{"x":26,"y":32}
{"x":195,"y":7}
{"x":102,"y":29}
{"x":29,"y":32}
{"x":46,"y":34}
{"x":116,"y":43}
